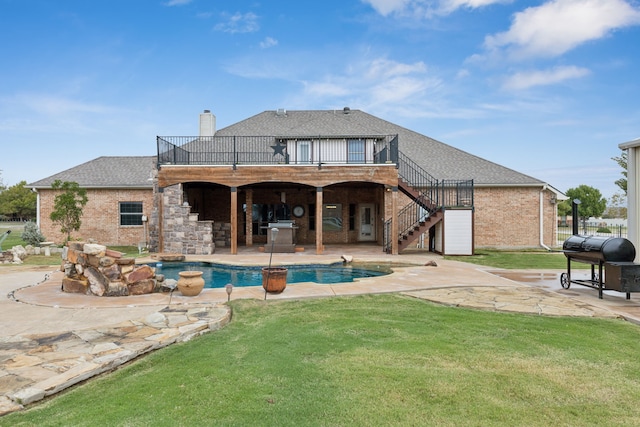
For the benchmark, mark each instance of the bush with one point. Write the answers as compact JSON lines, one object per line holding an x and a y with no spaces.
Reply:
{"x":31,"y":234}
{"x":603,"y":230}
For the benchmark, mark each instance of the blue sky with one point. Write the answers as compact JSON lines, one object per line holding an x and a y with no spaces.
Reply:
{"x":548,"y":88}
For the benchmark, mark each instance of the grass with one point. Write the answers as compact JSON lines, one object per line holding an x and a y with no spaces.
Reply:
{"x":533,"y":259}
{"x":369,"y":360}
{"x":15,"y":239}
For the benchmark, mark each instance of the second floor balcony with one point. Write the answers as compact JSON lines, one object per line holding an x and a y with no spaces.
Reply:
{"x":269,"y":150}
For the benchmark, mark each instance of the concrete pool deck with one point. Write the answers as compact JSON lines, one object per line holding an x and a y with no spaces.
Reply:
{"x":51,"y":340}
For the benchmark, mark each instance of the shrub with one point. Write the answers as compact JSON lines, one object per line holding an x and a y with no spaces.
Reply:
{"x":603,"y":230}
{"x":31,"y":234}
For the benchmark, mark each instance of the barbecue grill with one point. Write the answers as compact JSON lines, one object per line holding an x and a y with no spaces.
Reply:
{"x":614,"y":255}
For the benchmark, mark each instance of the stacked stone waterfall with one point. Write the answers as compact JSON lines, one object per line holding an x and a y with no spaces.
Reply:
{"x":92,"y":269}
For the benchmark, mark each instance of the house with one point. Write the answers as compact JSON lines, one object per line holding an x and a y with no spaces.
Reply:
{"x":120,"y":198}
{"x":322,"y":177}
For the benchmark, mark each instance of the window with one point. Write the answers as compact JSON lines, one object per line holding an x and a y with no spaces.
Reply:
{"x":304,"y":152}
{"x":332,"y":217}
{"x":130,"y":213}
{"x":355,"y":151}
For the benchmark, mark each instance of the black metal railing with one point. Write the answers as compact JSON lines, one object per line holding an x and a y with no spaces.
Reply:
{"x":268,"y":150}
{"x":590,"y":228}
{"x":411,"y":216}
{"x":432,"y":195}
{"x":421,"y":181}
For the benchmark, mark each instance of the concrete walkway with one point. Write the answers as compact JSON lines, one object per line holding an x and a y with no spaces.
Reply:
{"x":51,"y":340}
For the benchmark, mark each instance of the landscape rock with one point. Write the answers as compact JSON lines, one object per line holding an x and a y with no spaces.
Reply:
{"x":347,"y":259}
{"x":94,"y":249}
{"x":19,"y":251}
{"x":142,"y":287}
{"x":143,"y":272}
{"x":75,"y":285}
{"x":93,"y":269}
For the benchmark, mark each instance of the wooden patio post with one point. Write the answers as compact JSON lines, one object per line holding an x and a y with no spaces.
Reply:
{"x":394,"y":220}
{"x":234,"y":220}
{"x":319,"y":245}
{"x":248,"y":217}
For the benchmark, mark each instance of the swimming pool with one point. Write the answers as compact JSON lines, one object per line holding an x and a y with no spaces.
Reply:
{"x":218,"y":275}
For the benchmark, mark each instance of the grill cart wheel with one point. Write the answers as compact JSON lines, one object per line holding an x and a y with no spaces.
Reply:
{"x":564,"y":280}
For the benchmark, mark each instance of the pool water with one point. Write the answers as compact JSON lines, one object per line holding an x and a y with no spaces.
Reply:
{"x":218,"y":275}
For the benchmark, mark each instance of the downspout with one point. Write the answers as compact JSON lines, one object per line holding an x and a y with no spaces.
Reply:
{"x":38,"y":223}
{"x":544,"y":187}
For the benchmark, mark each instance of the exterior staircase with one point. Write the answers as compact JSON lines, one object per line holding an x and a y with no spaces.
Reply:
{"x":429,"y":197}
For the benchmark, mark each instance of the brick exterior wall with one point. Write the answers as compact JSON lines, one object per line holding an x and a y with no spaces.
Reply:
{"x":504,"y":217}
{"x":100,"y":217}
{"x":509,"y":217}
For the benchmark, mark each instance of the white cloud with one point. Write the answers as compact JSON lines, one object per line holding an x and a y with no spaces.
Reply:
{"x":41,"y":112}
{"x":58,"y":106}
{"x":386,"y":7}
{"x":325,"y":89}
{"x":268,"y":42}
{"x":448,"y":6}
{"x":380,"y":69}
{"x":239,"y":23}
{"x":524,"y":80}
{"x":426,"y":8}
{"x":558,"y":26}
{"x":378,"y":83}
{"x":177,"y":2}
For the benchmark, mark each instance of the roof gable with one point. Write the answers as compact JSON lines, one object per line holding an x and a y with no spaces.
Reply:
{"x":439,"y":159}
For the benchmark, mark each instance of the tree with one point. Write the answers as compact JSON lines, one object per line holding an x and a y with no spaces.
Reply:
{"x":622,"y":162}
{"x":592,"y":204}
{"x":564,"y":208}
{"x":18,"y":201}
{"x":32,"y":234}
{"x":616,"y":207}
{"x":68,"y":205}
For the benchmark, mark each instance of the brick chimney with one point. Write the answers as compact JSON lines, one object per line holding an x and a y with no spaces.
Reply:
{"x":207,"y":123}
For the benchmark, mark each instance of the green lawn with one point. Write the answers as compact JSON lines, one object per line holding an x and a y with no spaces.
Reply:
{"x":13,"y":238}
{"x":369,"y":361}
{"x":534,"y":259}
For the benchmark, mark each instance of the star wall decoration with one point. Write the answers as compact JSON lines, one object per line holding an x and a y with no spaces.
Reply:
{"x":278,"y":148}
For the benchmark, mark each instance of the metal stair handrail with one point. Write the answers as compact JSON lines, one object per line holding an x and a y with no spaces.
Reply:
{"x":432,"y":196}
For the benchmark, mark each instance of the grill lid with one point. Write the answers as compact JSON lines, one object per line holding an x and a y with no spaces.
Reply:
{"x":608,"y":249}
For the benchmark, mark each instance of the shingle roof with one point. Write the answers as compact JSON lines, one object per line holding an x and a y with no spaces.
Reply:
{"x":106,"y":172}
{"x":439,"y":159}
